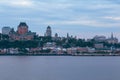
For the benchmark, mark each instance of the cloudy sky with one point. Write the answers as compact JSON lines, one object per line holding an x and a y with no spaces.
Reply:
{"x":83,"y":18}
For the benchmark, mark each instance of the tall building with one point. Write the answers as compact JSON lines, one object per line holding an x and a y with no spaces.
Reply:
{"x":22,"y":28}
{"x":48,"y":32}
{"x":68,"y":35}
{"x":22,"y":33}
{"x":6,"y":30}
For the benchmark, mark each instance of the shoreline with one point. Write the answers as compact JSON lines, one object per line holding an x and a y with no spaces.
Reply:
{"x":59,"y":54}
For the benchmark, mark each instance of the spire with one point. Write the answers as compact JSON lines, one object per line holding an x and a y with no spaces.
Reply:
{"x":112,"y":36}
{"x":67,"y":35}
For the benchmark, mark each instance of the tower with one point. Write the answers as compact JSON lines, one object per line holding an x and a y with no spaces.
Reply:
{"x":48,"y":31}
{"x":6,"y":30}
{"x":112,"y":36}
{"x":67,"y":35}
{"x":22,"y":28}
{"x":56,"y":35}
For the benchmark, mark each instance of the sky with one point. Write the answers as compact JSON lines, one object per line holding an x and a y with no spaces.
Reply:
{"x":81,"y":18}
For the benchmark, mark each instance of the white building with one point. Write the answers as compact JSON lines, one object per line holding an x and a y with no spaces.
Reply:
{"x":50,"y":45}
{"x":6,"y":30}
{"x":99,"y":45}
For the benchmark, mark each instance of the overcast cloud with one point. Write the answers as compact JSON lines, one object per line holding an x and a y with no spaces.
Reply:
{"x":83,"y":18}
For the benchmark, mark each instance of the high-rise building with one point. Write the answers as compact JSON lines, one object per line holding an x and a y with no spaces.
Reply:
{"x":6,"y":30}
{"x":48,"y":32}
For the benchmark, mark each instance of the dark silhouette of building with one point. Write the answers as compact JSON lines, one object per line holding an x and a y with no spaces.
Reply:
{"x":48,"y":32}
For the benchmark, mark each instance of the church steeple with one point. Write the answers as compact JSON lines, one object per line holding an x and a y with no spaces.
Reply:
{"x":112,"y":36}
{"x":67,"y":35}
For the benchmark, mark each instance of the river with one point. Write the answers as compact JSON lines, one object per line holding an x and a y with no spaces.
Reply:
{"x":59,"y":68}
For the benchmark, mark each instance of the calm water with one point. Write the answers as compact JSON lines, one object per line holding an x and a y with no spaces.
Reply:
{"x":59,"y":68}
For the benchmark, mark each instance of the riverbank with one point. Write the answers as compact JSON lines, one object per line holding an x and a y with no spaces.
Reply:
{"x":59,"y":54}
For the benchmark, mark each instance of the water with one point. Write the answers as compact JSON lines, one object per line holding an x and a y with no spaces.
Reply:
{"x":59,"y":68}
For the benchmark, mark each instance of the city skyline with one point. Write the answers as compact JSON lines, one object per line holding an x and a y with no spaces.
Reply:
{"x":83,"y":19}
{"x":23,"y":33}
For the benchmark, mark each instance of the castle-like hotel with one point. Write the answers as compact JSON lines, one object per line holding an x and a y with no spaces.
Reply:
{"x":22,"y":32}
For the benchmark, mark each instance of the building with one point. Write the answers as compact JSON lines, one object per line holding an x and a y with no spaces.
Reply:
{"x":99,"y":45}
{"x":48,"y":32}
{"x":68,"y":35}
{"x":71,"y":50}
{"x":99,"y":38}
{"x":82,"y":49}
{"x":22,"y":33}
{"x":50,"y":45}
{"x":56,"y":37}
{"x":6,"y":30}
{"x":22,"y":28}
{"x":112,"y":40}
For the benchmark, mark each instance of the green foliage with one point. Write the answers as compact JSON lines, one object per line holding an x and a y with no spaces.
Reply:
{"x":39,"y":41}
{"x":18,"y":44}
{"x":4,"y":37}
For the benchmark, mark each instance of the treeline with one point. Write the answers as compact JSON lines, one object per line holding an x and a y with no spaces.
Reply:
{"x":18,"y":44}
{"x":39,"y":41}
{"x":67,"y":43}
